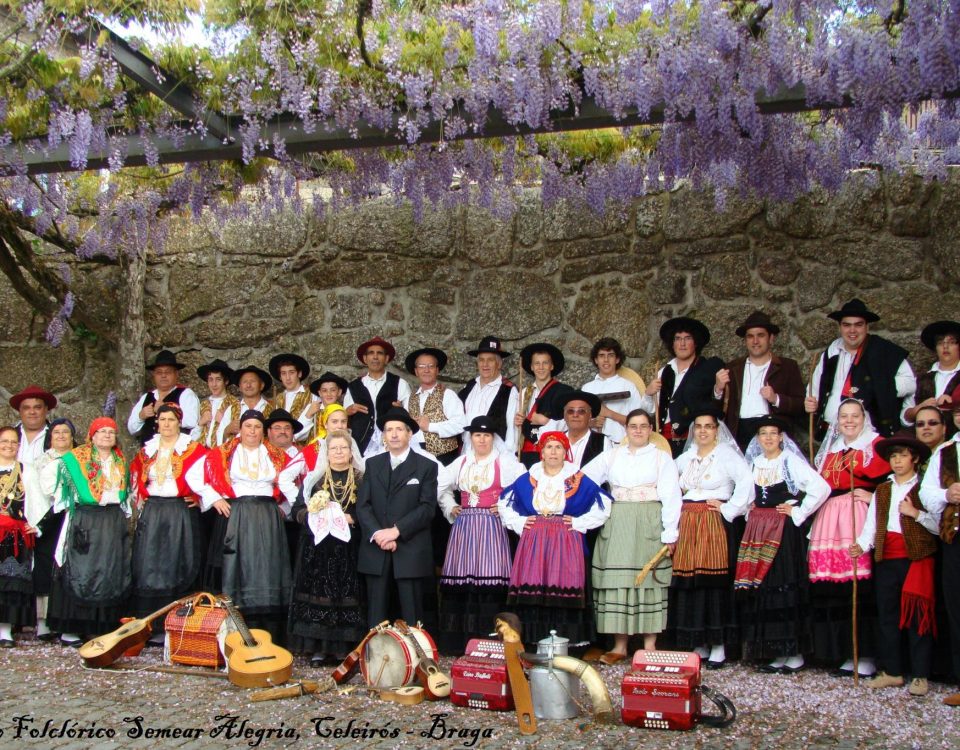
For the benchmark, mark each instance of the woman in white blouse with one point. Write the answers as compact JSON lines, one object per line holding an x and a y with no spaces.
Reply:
{"x":551,"y":507}
{"x":717,"y":488}
{"x":166,"y":477}
{"x":771,"y":584}
{"x":646,"y":512}
{"x":476,"y":568}
{"x":251,"y":486}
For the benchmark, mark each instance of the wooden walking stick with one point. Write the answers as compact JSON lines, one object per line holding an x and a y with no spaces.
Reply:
{"x":813,"y":369}
{"x":853,"y":526}
{"x":521,"y":410}
{"x":656,"y":399}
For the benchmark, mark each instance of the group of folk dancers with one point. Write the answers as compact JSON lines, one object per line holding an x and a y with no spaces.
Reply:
{"x":324,"y":510}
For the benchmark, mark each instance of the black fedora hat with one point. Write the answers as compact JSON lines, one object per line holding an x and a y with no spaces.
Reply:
{"x":489,"y":344}
{"x":483,"y":423}
{"x":590,"y":399}
{"x":328,"y":377}
{"x":706,"y":411}
{"x":902,"y":438}
{"x":855,"y":308}
{"x":700,"y":333}
{"x":772,"y":420}
{"x":757,"y":319}
{"x":165,"y":358}
{"x":303,"y":367}
{"x":930,"y":334}
{"x":264,"y":376}
{"x":397,"y":414}
{"x":218,"y":365}
{"x":410,"y":363}
{"x":526,"y":356}
{"x":282,"y":415}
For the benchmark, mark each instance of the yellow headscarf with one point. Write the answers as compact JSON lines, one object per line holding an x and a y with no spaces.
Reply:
{"x":322,"y":418}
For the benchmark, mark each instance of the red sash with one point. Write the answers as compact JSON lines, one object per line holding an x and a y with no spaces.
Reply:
{"x":528,"y":446}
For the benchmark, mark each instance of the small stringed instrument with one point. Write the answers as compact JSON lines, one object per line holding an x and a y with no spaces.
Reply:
{"x":405,"y":696}
{"x":435,"y":683}
{"x":252,"y":658}
{"x":104,"y":650}
{"x":349,"y":665}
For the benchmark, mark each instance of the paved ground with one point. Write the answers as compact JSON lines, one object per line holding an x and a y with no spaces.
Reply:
{"x":48,"y":700}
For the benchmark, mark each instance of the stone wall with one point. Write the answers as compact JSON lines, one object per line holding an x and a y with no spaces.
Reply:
{"x":244,"y":291}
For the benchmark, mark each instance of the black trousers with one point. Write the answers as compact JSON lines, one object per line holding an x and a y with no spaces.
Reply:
{"x":888,"y":579}
{"x":951,"y":599}
{"x":409,"y":594}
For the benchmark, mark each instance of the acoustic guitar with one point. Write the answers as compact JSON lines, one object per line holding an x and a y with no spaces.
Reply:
{"x":252,"y":658}
{"x":104,"y":650}
{"x":349,"y":665}
{"x":435,"y":683}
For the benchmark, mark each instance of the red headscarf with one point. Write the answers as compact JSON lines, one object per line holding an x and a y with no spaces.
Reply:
{"x":560,"y":437}
{"x":98,"y":424}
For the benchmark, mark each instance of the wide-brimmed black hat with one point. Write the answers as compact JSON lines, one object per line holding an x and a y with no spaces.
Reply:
{"x":396,"y":414}
{"x":902,"y":438}
{"x":589,"y":398}
{"x":165,"y":358}
{"x":930,"y":334}
{"x":411,"y":361}
{"x":303,"y":367}
{"x":282,"y":415}
{"x":855,"y":308}
{"x":706,"y":411}
{"x":328,"y":377}
{"x":772,"y":420}
{"x":757,"y":319}
{"x":700,"y":333}
{"x":489,"y":344}
{"x":263,"y":375}
{"x":218,"y":365}
{"x":483,"y":423}
{"x":526,"y":357}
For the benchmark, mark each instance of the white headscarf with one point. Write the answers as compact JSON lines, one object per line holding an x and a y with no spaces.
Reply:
{"x":312,"y":477}
{"x":787,"y":445}
{"x":834,"y":442}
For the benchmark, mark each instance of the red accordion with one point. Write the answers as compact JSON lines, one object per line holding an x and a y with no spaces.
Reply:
{"x":480,"y":679}
{"x":663,"y":691}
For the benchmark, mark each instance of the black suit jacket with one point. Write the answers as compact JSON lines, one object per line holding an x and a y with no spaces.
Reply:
{"x":405,"y":497}
{"x":783,"y":376}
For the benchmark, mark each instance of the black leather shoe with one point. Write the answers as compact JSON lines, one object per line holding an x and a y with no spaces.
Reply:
{"x":48,"y":637}
{"x":6,"y":643}
{"x":769,"y":669}
{"x":317,"y":661}
{"x":716,"y":664}
{"x":791,"y":670}
{"x":71,"y":644}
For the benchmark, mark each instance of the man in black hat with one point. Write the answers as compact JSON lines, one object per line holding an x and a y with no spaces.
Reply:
{"x":940,"y":386}
{"x":435,"y":408}
{"x":373,"y":394}
{"x":539,"y":401}
{"x":281,"y":428}
{"x":396,"y":505}
{"x":618,"y":396}
{"x":251,"y":381}
{"x":291,"y":369}
{"x":219,"y":409}
{"x":490,"y":393}
{"x":329,"y":389}
{"x":685,"y":384}
{"x":760,"y":383}
{"x":165,"y":371}
{"x":858,"y":365}
{"x":579,"y":409}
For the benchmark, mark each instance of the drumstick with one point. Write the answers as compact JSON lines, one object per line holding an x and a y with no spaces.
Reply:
{"x":651,"y":564}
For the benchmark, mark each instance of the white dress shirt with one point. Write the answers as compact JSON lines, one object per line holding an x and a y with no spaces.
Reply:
{"x":625,"y":467}
{"x":905,"y":382}
{"x":29,"y":452}
{"x":478,"y":404}
{"x":941,"y":379}
{"x":932,"y":495}
{"x":454,"y":423}
{"x":188,"y":402}
{"x":613,"y":430}
{"x":720,"y":475}
{"x":200,"y":434}
{"x":898,"y":492}
{"x":307,"y":422}
{"x":552,"y":488}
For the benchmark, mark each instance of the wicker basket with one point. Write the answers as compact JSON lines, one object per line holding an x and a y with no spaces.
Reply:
{"x":192,"y":631}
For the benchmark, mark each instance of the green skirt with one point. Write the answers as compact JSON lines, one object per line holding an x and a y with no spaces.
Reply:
{"x":627,"y":541}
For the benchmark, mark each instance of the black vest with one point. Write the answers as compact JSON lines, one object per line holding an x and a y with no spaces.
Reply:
{"x":695,"y":392}
{"x":594,"y":447}
{"x":874,"y":378}
{"x":498,"y":409}
{"x":361,"y":425}
{"x":149,"y":428}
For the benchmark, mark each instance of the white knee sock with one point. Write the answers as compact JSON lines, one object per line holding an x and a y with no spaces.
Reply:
{"x":794,"y":662}
{"x":6,"y":631}
{"x":718,"y":653}
{"x":42,"y":628}
{"x":702,"y":651}
{"x":778,"y":662}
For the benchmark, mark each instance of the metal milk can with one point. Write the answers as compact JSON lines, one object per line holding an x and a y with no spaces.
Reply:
{"x":555,"y":693}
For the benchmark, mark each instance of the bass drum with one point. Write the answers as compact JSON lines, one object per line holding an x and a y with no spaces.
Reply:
{"x":389,"y":659}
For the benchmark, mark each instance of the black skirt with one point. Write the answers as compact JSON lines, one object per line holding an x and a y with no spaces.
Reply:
{"x":167,"y":553}
{"x":46,"y":546}
{"x":248,"y":559}
{"x":16,"y":580}
{"x":328,"y":607}
{"x":833,"y":620}
{"x":90,"y":589}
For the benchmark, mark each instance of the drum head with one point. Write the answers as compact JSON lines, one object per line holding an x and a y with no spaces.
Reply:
{"x":388,"y":660}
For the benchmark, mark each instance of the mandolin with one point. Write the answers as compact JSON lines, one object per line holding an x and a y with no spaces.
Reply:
{"x":252,"y":658}
{"x":435,"y":683}
{"x":104,"y":650}
{"x":349,"y":665}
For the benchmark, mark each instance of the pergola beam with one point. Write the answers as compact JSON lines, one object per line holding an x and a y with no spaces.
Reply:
{"x":225,"y":144}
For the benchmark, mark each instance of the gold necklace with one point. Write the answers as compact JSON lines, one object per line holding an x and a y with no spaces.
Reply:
{"x":249,"y":470}
{"x":163,"y":464}
{"x":478,"y":478}
{"x":8,"y":483}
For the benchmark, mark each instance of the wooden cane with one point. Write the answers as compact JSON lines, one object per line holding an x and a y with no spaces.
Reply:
{"x":656,"y":399}
{"x":853,"y":526}
{"x":522,"y":412}
{"x":813,"y":369}
{"x":304,"y":687}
